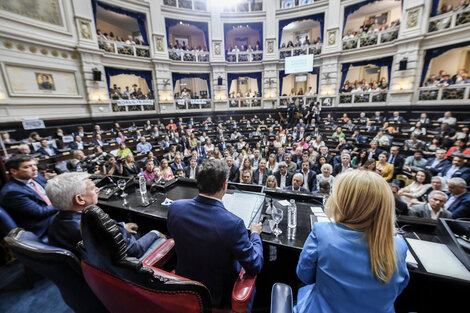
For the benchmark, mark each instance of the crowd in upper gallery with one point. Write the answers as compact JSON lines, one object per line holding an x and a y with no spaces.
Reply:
{"x":443,"y":79}
{"x":370,"y":27}
{"x":446,"y":7}
{"x":359,"y":86}
{"x":132,"y":93}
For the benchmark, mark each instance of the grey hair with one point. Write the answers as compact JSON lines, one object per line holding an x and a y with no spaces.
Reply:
{"x":326,"y":165}
{"x":457,"y":181}
{"x":299,"y":175}
{"x":437,"y":192}
{"x":63,"y":188}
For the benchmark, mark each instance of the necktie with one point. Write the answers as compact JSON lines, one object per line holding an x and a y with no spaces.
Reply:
{"x":392,"y":159}
{"x":43,"y":196}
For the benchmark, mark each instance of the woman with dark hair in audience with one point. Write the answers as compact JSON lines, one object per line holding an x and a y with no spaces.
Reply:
{"x":418,"y":129}
{"x":321,"y":161}
{"x":432,"y":146}
{"x":318,"y":143}
{"x":171,"y":153}
{"x":360,"y":159}
{"x":167,"y":173}
{"x":246,"y":166}
{"x":289,"y":143}
{"x":384,"y":168}
{"x":369,"y":165}
{"x":421,"y":183}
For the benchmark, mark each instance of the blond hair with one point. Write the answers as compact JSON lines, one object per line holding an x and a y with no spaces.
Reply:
{"x":363,"y":201}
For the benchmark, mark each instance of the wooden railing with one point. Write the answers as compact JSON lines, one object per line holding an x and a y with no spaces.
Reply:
{"x":374,"y":38}
{"x":303,"y":50}
{"x":244,"y":56}
{"x":188,"y":56}
{"x":122,"y":48}
{"x":449,"y":20}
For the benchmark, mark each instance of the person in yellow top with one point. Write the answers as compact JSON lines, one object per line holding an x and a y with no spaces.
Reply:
{"x":384,"y":168}
{"x":123,"y":151}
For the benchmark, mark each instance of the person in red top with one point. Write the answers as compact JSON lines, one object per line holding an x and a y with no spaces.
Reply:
{"x":460,"y":147}
{"x":171,"y":125}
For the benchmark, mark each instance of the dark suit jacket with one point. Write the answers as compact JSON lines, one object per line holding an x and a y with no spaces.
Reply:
{"x":461,"y":206}
{"x":187,"y":170}
{"x":44,"y":152}
{"x":311,"y":180}
{"x":288,"y":178}
{"x":234,"y":175}
{"x":74,"y":146}
{"x":398,"y":164}
{"x":463,"y":172}
{"x":26,"y":207}
{"x":203,"y":151}
{"x":291,"y":188}
{"x":97,"y":143}
{"x":174,"y":167}
{"x":329,"y":159}
{"x":422,"y":210}
{"x":337,"y":169}
{"x":64,"y":232}
{"x":434,"y":170}
{"x":209,"y":242}
{"x":376,"y":153}
{"x":221,"y":146}
{"x":256,"y":181}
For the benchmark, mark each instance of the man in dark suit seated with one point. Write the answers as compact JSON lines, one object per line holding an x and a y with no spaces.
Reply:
{"x":45,"y":149}
{"x":397,"y":118}
{"x":344,"y":165}
{"x":283,"y":177}
{"x":190,"y":170}
{"x":247,"y":177}
{"x":401,"y":208}
{"x":261,"y":174}
{"x":436,"y":165}
{"x":24,"y":198}
{"x":396,"y":160}
{"x":222,"y":144}
{"x":71,"y":193}
{"x":77,"y":144}
{"x":433,"y":209}
{"x":374,"y":151}
{"x":459,"y":201}
{"x":177,"y":164}
{"x":233,"y":171}
{"x":297,"y":182}
{"x":456,"y":169}
{"x":211,"y":242}
{"x":98,"y":141}
{"x":310,"y":177}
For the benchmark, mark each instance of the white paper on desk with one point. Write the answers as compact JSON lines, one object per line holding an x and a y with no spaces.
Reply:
{"x":438,"y":259}
{"x":323,"y":219}
{"x":284,"y":202}
{"x":410,"y":258}
{"x":320,"y":214}
{"x":167,"y":201}
{"x":316,"y":209}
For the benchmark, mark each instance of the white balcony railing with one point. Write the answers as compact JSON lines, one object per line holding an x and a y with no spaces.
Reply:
{"x":452,"y":92}
{"x":245,"y":102}
{"x":297,"y":100}
{"x":188,"y":56}
{"x":119,"y":47}
{"x":199,"y":5}
{"x":449,"y":20}
{"x":363,"y":97}
{"x":243,"y":6}
{"x":371,"y":39}
{"x":192,"y":104}
{"x":244,"y":56}
{"x":303,"y":50}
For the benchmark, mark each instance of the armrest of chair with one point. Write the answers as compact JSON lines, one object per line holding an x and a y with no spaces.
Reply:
{"x":242,"y":291}
{"x":281,"y":298}
{"x":160,"y":255}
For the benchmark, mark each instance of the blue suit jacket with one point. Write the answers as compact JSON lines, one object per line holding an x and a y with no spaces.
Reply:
{"x":438,"y":168}
{"x":64,"y":232}
{"x":44,"y":151}
{"x":26,"y":207}
{"x":211,"y":243}
{"x":461,"y":207}
{"x":291,"y":188}
{"x":174,"y":167}
{"x":463,"y":172}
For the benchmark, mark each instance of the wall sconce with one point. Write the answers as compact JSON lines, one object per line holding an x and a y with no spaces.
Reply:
{"x":220,"y":97}
{"x":98,"y":97}
{"x":270,"y":94}
{"x":328,"y":92}
{"x":2,"y":96}
{"x":165,"y":97}
{"x":402,"y":86}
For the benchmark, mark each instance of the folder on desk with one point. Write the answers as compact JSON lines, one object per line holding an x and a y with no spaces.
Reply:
{"x":246,"y":205}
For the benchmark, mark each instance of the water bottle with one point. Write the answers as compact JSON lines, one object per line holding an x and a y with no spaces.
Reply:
{"x":79,"y":168}
{"x":292,"y":214}
{"x":142,"y":184}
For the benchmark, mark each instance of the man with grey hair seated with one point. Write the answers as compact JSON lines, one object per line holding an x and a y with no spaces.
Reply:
{"x":459,"y":201}
{"x":433,"y":209}
{"x":297,"y":181}
{"x":70,"y":193}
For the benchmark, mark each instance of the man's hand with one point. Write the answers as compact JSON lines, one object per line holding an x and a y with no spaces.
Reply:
{"x":256,"y":228}
{"x":131,"y":227}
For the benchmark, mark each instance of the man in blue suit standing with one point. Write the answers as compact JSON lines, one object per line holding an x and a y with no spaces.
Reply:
{"x":459,"y":200}
{"x":211,"y":243}
{"x":23,"y":196}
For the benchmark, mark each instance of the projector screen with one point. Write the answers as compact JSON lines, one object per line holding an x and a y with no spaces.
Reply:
{"x":299,"y":64}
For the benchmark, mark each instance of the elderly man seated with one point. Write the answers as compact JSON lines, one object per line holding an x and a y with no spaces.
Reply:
{"x":433,"y":209}
{"x":70,"y":193}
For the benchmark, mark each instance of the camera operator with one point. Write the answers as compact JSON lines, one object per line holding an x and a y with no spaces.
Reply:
{"x":129,"y":167}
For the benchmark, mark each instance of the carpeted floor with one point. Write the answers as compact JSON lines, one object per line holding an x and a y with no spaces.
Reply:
{"x":17,"y":296}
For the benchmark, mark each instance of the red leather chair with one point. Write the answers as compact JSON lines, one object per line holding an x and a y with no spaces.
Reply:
{"x":125,"y":284}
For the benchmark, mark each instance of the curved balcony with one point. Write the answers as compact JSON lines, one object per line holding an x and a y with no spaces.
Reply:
{"x":121,"y":48}
{"x":244,"y":56}
{"x":453,"y":92}
{"x":188,"y":56}
{"x":192,"y":104}
{"x":363,"y":97}
{"x":247,"y":102}
{"x":449,"y":20}
{"x":372,"y":39}
{"x":314,"y":49}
